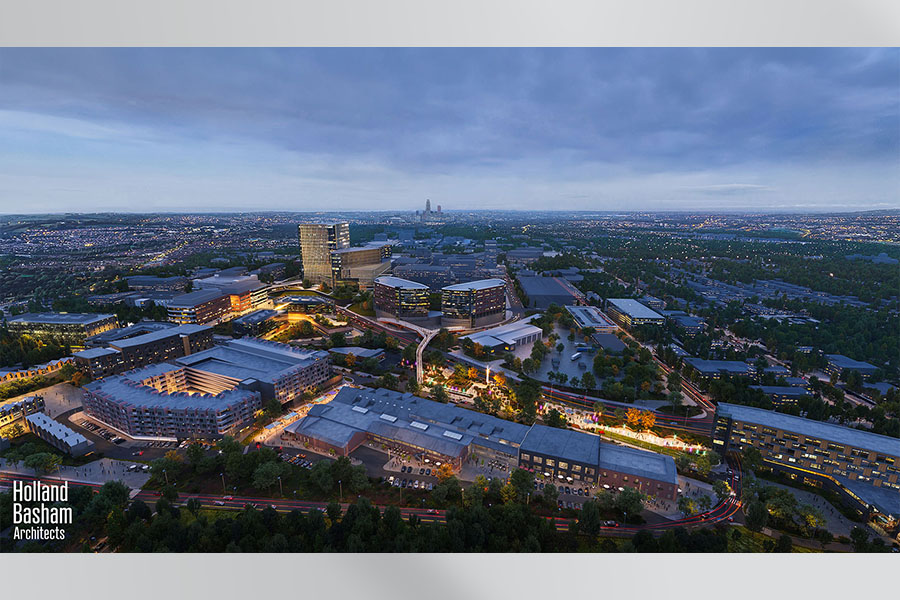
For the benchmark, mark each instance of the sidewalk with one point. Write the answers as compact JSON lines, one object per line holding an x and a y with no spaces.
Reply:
{"x":100,"y":471}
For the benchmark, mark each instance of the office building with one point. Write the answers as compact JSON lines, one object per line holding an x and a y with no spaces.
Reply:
{"x":523,"y":256}
{"x":67,"y":328}
{"x":691,"y":325}
{"x":716,"y":368}
{"x":541,"y":292}
{"x":474,"y":304}
{"x":864,"y":467}
{"x":303,"y":304}
{"x":257,"y":323}
{"x":628,"y":313}
{"x":162,"y":402}
{"x":782,"y":394}
{"x":200,"y":307}
{"x":434,"y":276}
{"x":317,"y":241}
{"x":139,"y":351}
{"x":360,"y":265}
{"x":274,"y":370}
{"x":122,"y":333}
{"x":838,"y":363}
{"x":590,"y":316}
{"x":58,"y":435}
{"x":401,"y":299}
{"x":149,"y":282}
{"x":506,"y":338}
{"x":245,"y":292}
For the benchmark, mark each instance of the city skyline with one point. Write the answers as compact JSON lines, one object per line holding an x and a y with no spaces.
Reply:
{"x":242,"y":130}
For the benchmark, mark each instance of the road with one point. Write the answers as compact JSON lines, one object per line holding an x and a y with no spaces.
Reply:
{"x":723,"y":511}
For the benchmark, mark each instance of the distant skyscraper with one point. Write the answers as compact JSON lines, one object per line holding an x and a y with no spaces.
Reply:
{"x":439,"y":209}
{"x":427,"y":207}
{"x":317,"y":240}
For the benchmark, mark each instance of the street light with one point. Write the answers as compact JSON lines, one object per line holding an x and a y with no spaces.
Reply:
{"x":340,"y":487}
{"x":224,"y":491}
{"x":281,"y":489}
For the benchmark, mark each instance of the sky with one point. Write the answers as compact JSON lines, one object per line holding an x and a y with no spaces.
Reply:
{"x":243,"y":129}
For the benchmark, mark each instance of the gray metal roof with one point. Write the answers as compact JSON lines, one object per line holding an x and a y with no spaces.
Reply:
{"x":634,"y":309}
{"x":845,"y":362}
{"x":158,"y":335}
{"x":544,"y":286}
{"x":398,"y":282}
{"x":251,"y":358}
{"x":815,"y":429}
{"x":715,"y":366}
{"x":59,"y":318}
{"x":641,"y":463}
{"x":481,"y":284}
{"x":195,"y":298}
{"x":563,"y":444}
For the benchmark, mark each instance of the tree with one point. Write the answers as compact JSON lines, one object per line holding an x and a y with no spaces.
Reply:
{"x":266,"y":475}
{"x":648,"y":419}
{"x":633,"y":417}
{"x":757,"y":516}
{"x":439,"y":394}
{"x":45,"y":462}
{"x":752,"y":458}
{"x":555,"y":419}
{"x":508,"y":494}
{"x":589,"y":521}
{"x":560,"y":347}
{"x":350,"y":360}
{"x":859,"y":539}
{"x":784,"y":543}
{"x":523,"y":482}
{"x":550,"y":494}
{"x":445,"y":472}
{"x":193,"y":505}
{"x":722,"y":489}
{"x":630,"y":501}
{"x":675,"y":401}
{"x":195,"y":454}
{"x":687,"y":506}
{"x":587,"y":380}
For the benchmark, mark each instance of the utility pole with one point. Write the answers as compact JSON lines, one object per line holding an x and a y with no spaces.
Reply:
{"x":224,"y":491}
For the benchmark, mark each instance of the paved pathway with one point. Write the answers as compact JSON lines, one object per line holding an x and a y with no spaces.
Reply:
{"x":99,"y":471}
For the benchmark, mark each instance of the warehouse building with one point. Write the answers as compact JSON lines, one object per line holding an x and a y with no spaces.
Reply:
{"x":716,"y":368}
{"x":541,"y":292}
{"x":864,"y":467}
{"x":506,"y":338}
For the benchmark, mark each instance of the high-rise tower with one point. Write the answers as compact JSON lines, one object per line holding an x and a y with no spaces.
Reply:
{"x":317,"y":240}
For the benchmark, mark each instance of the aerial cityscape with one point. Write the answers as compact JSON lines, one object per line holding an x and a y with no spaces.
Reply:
{"x":612,"y":371}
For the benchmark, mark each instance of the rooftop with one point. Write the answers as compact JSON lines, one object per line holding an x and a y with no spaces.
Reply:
{"x":481,"y":284}
{"x":544,"y":286}
{"x":506,"y":334}
{"x":713,"y":366}
{"x":59,"y":318}
{"x":154,"y":336}
{"x":590,"y":316}
{"x":194,"y":298}
{"x":251,"y":358}
{"x":845,"y":362}
{"x":397,"y":282}
{"x":816,"y":429}
{"x":641,"y":463}
{"x":563,"y":443}
{"x":634,"y":309}
{"x":257,"y":316}
{"x":56,"y":429}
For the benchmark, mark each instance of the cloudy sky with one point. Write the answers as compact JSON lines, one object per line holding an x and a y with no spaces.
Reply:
{"x":313,"y":129}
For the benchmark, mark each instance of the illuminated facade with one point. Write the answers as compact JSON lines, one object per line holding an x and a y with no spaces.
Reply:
{"x":317,"y":241}
{"x":400,"y":298}
{"x":474,"y":304}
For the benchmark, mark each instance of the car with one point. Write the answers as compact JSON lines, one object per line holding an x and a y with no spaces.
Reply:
{"x":568,"y":491}
{"x":396,"y":483}
{"x":416,"y":484}
{"x":430,"y":486}
{"x":422,"y":471}
{"x":391,"y":479}
{"x":219,"y":503}
{"x":273,"y":507}
{"x":145,"y":468}
{"x":428,"y":471}
{"x":404,"y":483}
{"x":431,"y":511}
{"x":403,"y":469}
{"x":731,"y":519}
{"x":580,"y":492}
{"x":228,"y":498}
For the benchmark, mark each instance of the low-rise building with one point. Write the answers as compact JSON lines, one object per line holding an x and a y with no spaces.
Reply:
{"x":255,"y":323}
{"x":782,"y":394}
{"x":68,"y":328}
{"x":245,"y":292}
{"x":838,"y":363}
{"x":141,"y":350}
{"x":628,"y":313}
{"x":590,"y":316}
{"x":200,"y":307}
{"x":541,"y":292}
{"x":58,"y":435}
{"x":863,"y":466}
{"x":716,"y":368}
{"x":506,"y":338}
{"x":10,"y":412}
